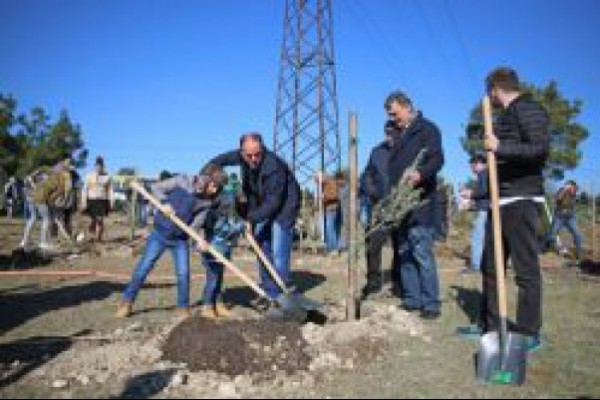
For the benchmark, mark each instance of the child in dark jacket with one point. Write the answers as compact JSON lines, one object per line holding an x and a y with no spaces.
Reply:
{"x":222,"y":229}
{"x":191,"y":200}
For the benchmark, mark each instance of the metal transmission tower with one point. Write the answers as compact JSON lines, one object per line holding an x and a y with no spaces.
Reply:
{"x":306,"y":121}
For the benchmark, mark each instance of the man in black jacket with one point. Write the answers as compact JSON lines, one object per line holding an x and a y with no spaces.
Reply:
{"x":273,"y":196}
{"x":521,"y":144}
{"x":415,"y":238}
{"x":374,"y":186}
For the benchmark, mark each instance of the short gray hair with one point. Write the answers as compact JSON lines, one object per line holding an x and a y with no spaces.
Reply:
{"x":399,"y":97}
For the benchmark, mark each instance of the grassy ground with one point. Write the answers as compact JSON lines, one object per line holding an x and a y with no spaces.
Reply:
{"x":438,"y":365}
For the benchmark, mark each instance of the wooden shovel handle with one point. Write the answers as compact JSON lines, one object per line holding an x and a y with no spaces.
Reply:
{"x":495,"y":207}
{"x":266,"y":262}
{"x":194,"y":235}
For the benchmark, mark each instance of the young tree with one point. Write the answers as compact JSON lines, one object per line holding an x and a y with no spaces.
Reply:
{"x":566,"y":134}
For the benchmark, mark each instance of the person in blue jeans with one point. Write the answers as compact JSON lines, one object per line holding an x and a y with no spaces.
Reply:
{"x":273,"y":202}
{"x":331,"y":189}
{"x":565,"y":217}
{"x":478,"y":201}
{"x":333,"y":229}
{"x":190,"y":199}
{"x":222,"y":230}
{"x":414,"y":134}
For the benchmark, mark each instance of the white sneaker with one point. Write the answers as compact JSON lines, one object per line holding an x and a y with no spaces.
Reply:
{"x":80,"y":237}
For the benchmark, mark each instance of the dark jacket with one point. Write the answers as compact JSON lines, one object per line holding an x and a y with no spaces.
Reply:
{"x":422,"y":134}
{"x":374,"y":183}
{"x":566,"y":203}
{"x":272,"y":191}
{"x":522,"y":130}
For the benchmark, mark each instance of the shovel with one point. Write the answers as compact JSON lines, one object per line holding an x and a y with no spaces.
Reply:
{"x":281,"y":310}
{"x":294,"y":300}
{"x":502,"y":357}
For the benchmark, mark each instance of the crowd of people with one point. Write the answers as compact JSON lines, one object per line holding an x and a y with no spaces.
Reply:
{"x":267,"y":201}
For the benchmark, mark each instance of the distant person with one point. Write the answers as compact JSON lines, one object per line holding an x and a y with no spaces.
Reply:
{"x":442,"y":222}
{"x":11,"y":196}
{"x":477,"y":200}
{"x":65,"y":212}
{"x":190,"y":199}
{"x":49,"y":193}
{"x":98,"y":198}
{"x":565,"y":216}
{"x":414,"y":135}
{"x":332,"y":205}
{"x":29,"y":185}
{"x":142,"y":206}
{"x":273,"y":202}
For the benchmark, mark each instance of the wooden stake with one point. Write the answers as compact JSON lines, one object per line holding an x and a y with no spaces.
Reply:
{"x":352,"y":298}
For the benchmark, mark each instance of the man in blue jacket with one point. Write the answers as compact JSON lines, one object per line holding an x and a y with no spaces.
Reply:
{"x":415,"y":238}
{"x":273,"y":197}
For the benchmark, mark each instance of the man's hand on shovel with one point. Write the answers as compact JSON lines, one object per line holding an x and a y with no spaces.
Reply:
{"x":169,"y":212}
{"x":491,"y":142}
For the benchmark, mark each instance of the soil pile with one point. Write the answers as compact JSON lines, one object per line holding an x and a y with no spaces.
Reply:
{"x":238,"y":347}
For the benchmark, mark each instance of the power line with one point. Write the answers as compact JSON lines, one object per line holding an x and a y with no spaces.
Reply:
{"x":371,"y":34}
{"x":461,"y":41}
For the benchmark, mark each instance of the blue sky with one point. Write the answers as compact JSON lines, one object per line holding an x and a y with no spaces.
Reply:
{"x":168,"y":84}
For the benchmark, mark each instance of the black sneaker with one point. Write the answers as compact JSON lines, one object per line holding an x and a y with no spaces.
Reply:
{"x":370,"y":290}
{"x":430,"y":314}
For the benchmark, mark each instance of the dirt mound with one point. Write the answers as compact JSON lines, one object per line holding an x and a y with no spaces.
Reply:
{"x":238,"y":347}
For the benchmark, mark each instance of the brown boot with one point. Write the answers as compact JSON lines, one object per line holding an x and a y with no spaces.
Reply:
{"x":124,"y":309}
{"x":222,"y":311}
{"x":208,"y":312}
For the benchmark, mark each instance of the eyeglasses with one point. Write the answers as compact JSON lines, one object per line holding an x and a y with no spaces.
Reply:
{"x":254,"y":156}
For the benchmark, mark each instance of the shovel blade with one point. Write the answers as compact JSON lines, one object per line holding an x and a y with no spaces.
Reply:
{"x":304,"y":302}
{"x":286,"y":315}
{"x":489,"y":359}
{"x":287,"y":310}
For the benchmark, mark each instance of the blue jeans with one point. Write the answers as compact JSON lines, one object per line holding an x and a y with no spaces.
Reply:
{"x":156,"y":245}
{"x":418,"y":268}
{"x":214,"y":271}
{"x":276,"y":242}
{"x":569,"y":222}
{"x":44,"y":213}
{"x":28,"y":209}
{"x":477,"y":239}
{"x":333,"y":229}
{"x":141,"y":215}
{"x":365,"y":212}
